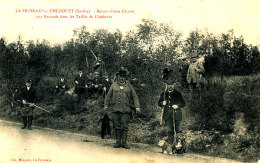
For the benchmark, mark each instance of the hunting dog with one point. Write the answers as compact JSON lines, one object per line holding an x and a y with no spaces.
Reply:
{"x":176,"y":148}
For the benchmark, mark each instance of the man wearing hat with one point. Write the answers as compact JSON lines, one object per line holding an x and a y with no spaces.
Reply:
{"x":81,"y":83}
{"x":27,"y":97}
{"x":120,"y":99}
{"x":167,"y":71}
{"x":172,"y":101}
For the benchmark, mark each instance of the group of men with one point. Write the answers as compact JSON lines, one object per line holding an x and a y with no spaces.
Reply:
{"x":93,"y":86}
{"x":120,"y":100}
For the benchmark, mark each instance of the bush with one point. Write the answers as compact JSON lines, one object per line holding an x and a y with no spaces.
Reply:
{"x":208,"y":107}
{"x":45,"y":89}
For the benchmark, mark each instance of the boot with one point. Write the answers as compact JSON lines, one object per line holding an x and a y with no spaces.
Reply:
{"x":30,"y":122}
{"x":118,"y":139}
{"x":124,"y":138}
{"x":24,"y":122}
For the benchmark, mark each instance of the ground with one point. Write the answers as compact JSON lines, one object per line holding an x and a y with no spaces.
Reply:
{"x":48,"y":145}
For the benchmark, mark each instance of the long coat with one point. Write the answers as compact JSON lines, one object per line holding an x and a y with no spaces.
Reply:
{"x":121,"y":98}
{"x":82,"y":82}
{"x":172,"y":98}
{"x":30,"y":97}
{"x":194,"y":72}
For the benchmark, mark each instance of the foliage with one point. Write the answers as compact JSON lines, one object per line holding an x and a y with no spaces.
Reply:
{"x":13,"y":63}
{"x":46,"y":89}
{"x":208,"y":107}
{"x":217,"y":108}
{"x":224,"y":55}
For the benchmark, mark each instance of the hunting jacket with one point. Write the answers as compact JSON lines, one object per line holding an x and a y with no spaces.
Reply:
{"x":194,"y":72}
{"x":82,"y":81}
{"x":30,"y":97}
{"x":172,"y":98}
{"x":121,"y":98}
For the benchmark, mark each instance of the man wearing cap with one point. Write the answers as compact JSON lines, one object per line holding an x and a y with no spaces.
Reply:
{"x":194,"y":74}
{"x":27,"y":97}
{"x":172,"y":101}
{"x":81,"y":83}
{"x":120,"y":99}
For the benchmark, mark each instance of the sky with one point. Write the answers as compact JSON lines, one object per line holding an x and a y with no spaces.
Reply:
{"x":216,"y":16}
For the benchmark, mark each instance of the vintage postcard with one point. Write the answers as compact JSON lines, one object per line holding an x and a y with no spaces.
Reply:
{"x":129,"y":81}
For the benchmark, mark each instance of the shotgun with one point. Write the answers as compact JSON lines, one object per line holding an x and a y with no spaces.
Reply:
{"x":27,"y":103}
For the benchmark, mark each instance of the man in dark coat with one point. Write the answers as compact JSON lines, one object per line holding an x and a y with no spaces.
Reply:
{"x":172,"y":101}
{"x":61,"y":87}
{"x":81,"y":83}
{"x":97,"y":85}
{"x":119,"y":101}
{"x":27,"y":97}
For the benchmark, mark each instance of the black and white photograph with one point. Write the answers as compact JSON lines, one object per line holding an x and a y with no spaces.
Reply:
{"x":141,"y":81}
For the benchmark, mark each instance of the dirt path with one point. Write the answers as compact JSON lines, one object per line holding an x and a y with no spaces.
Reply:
{"x":55,"y":146}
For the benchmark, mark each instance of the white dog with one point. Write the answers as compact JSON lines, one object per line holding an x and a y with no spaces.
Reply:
{"x":166,"y":147}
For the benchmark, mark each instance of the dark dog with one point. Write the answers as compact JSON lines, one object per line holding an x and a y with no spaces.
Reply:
{"x":179,"y":147}
{"x":105,"y":126}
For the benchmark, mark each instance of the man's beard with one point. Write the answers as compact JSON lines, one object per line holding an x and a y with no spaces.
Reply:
{"x":122,"y":81}
{"x":170,"y":89}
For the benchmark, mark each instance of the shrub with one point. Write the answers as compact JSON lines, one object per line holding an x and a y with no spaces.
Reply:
{"x":45,"y":89}
{"x":208,"y":107}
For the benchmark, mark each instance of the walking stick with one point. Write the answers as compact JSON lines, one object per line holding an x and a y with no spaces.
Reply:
{"x":174,"y":129}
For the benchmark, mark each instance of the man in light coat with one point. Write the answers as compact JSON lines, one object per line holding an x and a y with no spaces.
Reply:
{"x":121,"y":99}
{"x":194,"y":74}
